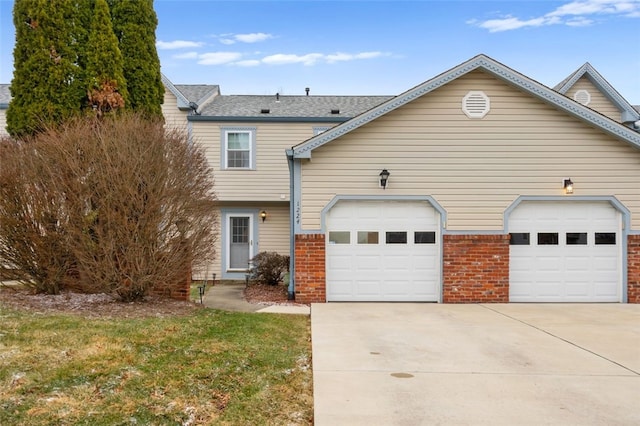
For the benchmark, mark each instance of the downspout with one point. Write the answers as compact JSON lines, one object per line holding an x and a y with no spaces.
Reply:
{"x":291,"y":294}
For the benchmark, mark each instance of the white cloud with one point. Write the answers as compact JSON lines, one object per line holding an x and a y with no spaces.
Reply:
{"x":253,"y":37}
{"x":574,"y":14}
{"x":591,"y":7}
{"x":248,"y":63}
{"x":579,"y":22}
{"x":283,"y":59}
{"x":177,"y":44}
{"x":186,"y":55}
{"x":238,"y":59}
{"x":229,"y":39}
{"x":218,"y":58}
{"x":511,"y":23}
{"x":343,"y":57}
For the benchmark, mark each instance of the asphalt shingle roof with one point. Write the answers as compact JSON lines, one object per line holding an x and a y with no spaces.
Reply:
{"x":290,"y":106}
{"x":197,"y":92}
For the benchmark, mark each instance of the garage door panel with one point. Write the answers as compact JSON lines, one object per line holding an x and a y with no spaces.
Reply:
{"x":576,"y":268}
{"x":368,"y":287}
{"x":378,"y":270}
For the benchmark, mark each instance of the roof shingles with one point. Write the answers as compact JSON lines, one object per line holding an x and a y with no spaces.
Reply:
{"x":291,"y":106}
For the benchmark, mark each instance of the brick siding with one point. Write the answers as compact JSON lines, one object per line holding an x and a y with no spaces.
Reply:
{"x":310,"y":275}
{"x":633,"y":269}
{"x":476,"y":268}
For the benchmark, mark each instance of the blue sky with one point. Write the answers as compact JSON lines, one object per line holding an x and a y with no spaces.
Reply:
{"x":357,"y":47}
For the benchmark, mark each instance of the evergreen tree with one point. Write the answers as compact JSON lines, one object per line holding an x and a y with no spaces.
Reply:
{"x":106,"y":86}
{"x":134,"y":23}
{"x":46,"y":87}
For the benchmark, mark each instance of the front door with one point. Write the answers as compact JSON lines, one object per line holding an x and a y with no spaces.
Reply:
{"x":240,"y":242}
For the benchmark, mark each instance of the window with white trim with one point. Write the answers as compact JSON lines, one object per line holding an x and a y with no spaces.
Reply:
{"x":238,"y":148}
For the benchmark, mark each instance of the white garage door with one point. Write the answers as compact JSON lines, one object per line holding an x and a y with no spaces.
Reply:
{"x":383,"y":251}
{"x":565,"y":252}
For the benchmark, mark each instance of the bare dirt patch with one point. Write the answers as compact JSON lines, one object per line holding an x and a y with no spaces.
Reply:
{"x":93,"y":305}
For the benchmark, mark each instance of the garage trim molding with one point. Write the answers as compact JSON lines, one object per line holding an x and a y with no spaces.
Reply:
{"x":612,"y":200}
{"x":427,"y":198}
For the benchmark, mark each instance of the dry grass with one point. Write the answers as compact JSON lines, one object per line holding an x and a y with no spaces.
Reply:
{"x":202,"y":367}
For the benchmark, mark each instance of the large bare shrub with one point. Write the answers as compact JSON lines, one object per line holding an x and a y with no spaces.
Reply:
{"x":135,"y":205}
{"x":34,"y":246}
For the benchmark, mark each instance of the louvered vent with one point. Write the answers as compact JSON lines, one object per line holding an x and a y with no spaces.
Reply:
{"x":476,"y":104}
{"x":583,"y":97}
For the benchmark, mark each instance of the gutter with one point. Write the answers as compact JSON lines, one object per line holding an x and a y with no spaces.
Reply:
{"x":291,"y":291}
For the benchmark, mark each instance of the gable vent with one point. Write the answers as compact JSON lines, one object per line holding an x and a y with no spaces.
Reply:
{"x":476,"y":104}
{"x":582,"y":96}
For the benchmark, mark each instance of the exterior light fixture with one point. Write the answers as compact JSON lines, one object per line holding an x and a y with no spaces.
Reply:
{"x":384,"y":177}
{"x":568,"y":186}
{"x":263,"y":215}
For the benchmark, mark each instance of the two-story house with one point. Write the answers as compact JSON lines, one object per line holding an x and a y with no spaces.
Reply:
{"x":478,"y":185}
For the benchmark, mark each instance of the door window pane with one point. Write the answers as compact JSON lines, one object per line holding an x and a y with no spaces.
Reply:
{"x":396,"y":238}
{"x":367,"y":237}
{"x":424,"y":237}
{"x":576,"y":238}
{"x":547,"y":238}
{"x":605,"y":238}
{"x":240,"y":229}
{"x":519,"y":239}
{"x":339,"y":237}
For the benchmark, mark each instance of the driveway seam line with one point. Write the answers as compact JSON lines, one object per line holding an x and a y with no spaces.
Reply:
{"x":561,"y":338}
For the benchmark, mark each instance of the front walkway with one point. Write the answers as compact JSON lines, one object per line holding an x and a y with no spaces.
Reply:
{"x":230,"y":297}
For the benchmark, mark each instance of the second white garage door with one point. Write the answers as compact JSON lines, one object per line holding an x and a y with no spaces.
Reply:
{"x":565,"y":252}
{"x":383,"y":251}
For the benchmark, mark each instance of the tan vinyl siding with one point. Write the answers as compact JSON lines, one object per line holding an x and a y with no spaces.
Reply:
{"x":3,"y":123}
{"x":173,"y":117}
{"x":273,"y":234}
{"x":475,"y":168}
{"x":270,"y":179}
{"x":274,"y":231}
{"x":598,"y":101}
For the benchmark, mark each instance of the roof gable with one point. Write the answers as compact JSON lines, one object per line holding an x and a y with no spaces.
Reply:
{"x":492,"y":67}
{"x":191,"y":96}
{"x":628,"y":112}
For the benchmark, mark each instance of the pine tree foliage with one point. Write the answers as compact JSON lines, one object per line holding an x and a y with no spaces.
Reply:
{"x":106,"y":86}
{"x":134,"y":23}
{"x":46,"y":87}
{"x":68,"y":51}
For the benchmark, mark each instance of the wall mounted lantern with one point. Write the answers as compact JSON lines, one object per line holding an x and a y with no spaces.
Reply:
{"x":263,"y":215}
{"x":568,"y":186}
{"x":384,"y":177}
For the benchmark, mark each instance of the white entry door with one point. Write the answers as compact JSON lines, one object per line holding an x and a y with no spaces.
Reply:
{"x":240,"y":242}
{"x":383,"y":251}
{"x":565,"y":252}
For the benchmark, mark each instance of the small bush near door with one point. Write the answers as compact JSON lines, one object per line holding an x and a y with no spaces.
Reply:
{"x":269,"y":267}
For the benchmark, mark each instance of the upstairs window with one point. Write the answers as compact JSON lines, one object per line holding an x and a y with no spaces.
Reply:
{"x":238,"y":149}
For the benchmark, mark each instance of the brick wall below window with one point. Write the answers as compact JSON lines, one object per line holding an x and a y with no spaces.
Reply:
{"x":476,"y":268}
{"x":633,"y":269}
{"x":310,"y":274}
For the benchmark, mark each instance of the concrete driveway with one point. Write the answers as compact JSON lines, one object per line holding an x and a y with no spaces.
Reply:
{"x":494,"y":364}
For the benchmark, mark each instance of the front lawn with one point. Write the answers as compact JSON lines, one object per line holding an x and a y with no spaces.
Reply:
{"x":207,"y":367}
